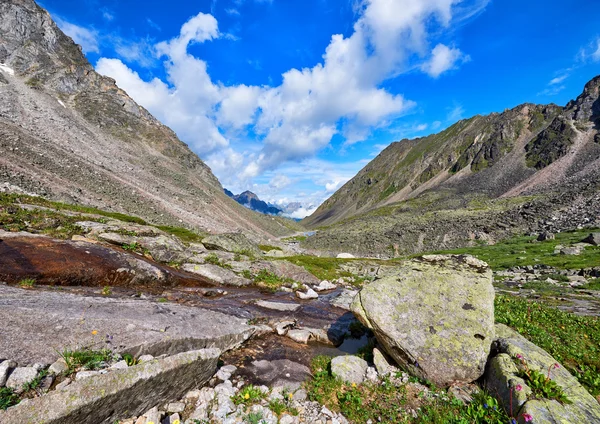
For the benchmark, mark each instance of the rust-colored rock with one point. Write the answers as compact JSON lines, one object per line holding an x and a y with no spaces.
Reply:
{"x":70,"y":263}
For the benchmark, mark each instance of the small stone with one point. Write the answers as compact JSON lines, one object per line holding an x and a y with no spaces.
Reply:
{"x":310,"y":294}
{"x":300,"y":336}
{"x":324,"y":286}
{"x":121,"y":365}
{"x":21,"y":376}
{"x":38,"y":367}
{"x":46,"y":383}
{"x":382,"y":364}
{"x":283,"y":327}
{"x":225,"y":372}
{"x":372,"y":374}
{"x":63,"y":384}
{"x":287,"y":419}
{"x":175,"y":407}
{"x":58,"y":367}
{"x":351,"y":369}
{"x":278,"y":306}
{"x":145,"y":358}
{"x":300,"y":395}
{"x":175,"y":418}
{"x":5,"y":367}
{"x":153,"y":415}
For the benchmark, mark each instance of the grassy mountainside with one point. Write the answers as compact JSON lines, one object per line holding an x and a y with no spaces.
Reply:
{"x":70,"y":134}
{"x":482,"y":179}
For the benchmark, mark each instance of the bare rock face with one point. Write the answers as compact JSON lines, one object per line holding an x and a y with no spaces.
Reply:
{"x":73,"y":135}
{"x":435,"y":317}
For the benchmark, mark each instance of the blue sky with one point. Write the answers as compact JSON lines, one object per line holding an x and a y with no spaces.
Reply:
{"x":290,"y":98}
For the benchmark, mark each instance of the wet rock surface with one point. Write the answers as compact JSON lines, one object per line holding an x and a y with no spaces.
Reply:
{"x":80,"y":263}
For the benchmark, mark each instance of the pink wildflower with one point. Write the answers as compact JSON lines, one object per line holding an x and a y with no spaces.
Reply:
{"x":518,"y":387}
{"x":528,"y":418}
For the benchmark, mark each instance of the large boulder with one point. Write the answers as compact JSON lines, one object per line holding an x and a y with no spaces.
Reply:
{"x":502,"y":379}
{"x":232,"y":242}
{"x":435,"y":317}
{"x":113,"y":396}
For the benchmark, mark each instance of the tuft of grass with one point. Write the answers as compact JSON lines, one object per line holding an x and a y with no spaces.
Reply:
{"x":27,"y":283}
{"x":254,"y":418}
{"x":8,"y":398}
{"x":249,"y":395}
{"x":571,"y":339}
{"x":271,"y":281}
{"x":593,"y":284}
{"x":321,"y":267}
{"x":85,"y":359}
{"x":213,"y":259}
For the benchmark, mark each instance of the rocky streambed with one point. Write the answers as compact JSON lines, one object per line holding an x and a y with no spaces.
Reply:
{"x":208,"y":341}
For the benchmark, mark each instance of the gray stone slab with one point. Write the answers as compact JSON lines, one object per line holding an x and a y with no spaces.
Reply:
{"x":36,"y":325}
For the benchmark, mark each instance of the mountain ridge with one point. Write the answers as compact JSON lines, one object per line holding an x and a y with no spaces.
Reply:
{"x":71,"y":134}
{"x":530,"y":150}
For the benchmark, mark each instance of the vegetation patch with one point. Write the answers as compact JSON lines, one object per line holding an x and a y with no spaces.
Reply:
{"x":213,"y":259}
{"x":249,"y":395}
{"x":183,"y":234}
{"x":388,"y":403}
{"x":86,"y":359}
{"x":8,"y":398}
{"x":572,"y":340}
{"x":525,"y":250}
{"x":271,"y":281}
{"x":268,"y":248}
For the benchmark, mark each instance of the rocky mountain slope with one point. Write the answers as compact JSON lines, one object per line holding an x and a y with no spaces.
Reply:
{"x":253,"y":202}
{"x":70,"y":134}
{"x":529,"y":168}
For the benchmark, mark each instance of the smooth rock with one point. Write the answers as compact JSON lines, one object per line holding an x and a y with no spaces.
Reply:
{"x":58,"y":367}
{"x":501,"y":380}
{"x":435,"y":318}
{"x":350,"y":369}
{"x":175,"y":407}
{"x":5,"y":367}
{"x":382,"y":364}
{"x":217,"y":274}
{"x":310,"y":294}
{"x":278,"y":306}
{"x":21,"y":376}
{"x":87,"y":374}
{"x":345,"y":256}
{"x":145,"y":358}
{"x":121,"y":365}
{"x":344,"y":300}
{"x":300,"y":336}
{"x":225,"y":372}
{"x":279,"y":373}
{"x":324,"y":286}
{"x":593,"y":239}
{"x":284,"y":326}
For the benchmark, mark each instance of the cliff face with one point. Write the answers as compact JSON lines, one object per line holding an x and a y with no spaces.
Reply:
{"x":70,"y":134}
{"x":547,"y":152}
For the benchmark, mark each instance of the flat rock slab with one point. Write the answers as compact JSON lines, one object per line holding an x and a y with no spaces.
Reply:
{"x":217,"y":274}
{"x":66,"y":262}
{"x":104,"y":399}
{"x":278,"y":373}
{"x":278,"y":306}
{"x":501,"y":379}
{"x":36,"y":325}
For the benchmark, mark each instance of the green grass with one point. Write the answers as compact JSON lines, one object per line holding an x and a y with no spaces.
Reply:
{"x":213,"y":259}
{"x":268,"y":247}
{"x":249,"y":395}
{"x":27,"y":283}
{"x":271,"y":281}
{"x":526,"y":251}
{"x":85,"y":359}
{"x":572,"y":340}
{"x":593,"y":284}
{"x":184,"y":234}
{"x":323,"y":268}
{"x":295,"y":238}
{"x":390,"y":404}
{"x":8,"y":398}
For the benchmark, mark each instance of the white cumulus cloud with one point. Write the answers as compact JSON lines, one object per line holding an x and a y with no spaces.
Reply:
{"x":443,"y":58}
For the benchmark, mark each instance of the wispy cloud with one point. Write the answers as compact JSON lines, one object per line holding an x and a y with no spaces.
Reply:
{"x":87,"y":38}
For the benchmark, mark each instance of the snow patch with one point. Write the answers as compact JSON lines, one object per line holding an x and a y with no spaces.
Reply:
{"x":62,"y":104}
{"x":7,"y":70}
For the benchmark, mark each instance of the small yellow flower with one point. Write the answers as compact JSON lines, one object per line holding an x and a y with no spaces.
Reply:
{"x":150,"y":422}
{"x":176,"y":422}
{"x":585,"y":335}
{"x":246,"y":396}
{"x":96,"y":332}
{"x":353,"y":384}
{"x":562,"y":326}
{"x":290,"y":395}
